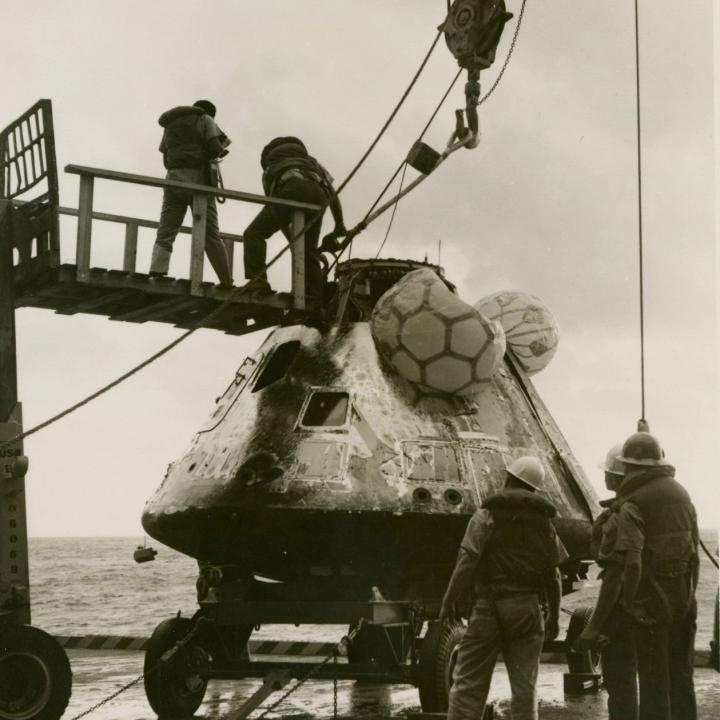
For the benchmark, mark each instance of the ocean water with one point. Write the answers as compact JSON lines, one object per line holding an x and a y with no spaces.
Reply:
{"x":92,"y":586}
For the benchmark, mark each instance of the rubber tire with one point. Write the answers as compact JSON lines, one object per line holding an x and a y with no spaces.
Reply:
{"x":165,"y":684}
{"x":580,"y":662}
{"x":437,"y":657}
{"x":48,"y":656}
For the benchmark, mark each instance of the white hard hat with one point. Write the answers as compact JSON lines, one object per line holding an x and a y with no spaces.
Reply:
{"x":529,"y":470}
{"x":612,"y":462}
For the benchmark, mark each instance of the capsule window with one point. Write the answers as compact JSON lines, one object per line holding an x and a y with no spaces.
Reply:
{"x":278,"y":364}
{"x":326,"y":409}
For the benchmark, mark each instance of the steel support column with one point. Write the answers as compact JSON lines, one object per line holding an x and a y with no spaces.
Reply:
{"x":14,"y":572}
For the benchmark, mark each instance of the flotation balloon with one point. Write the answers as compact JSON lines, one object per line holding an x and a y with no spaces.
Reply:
{"x":530,"y":328}
{"x":434,"y":339}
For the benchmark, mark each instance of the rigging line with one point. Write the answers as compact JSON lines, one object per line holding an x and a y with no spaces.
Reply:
{"x":492,"y":89}
{"x":439,"y":105}
{"x":390,"y":224}
{"x":403,"y":163}
{"x":392,"y":114}
{"x":239,"y":291}
{"x":508,"y":56}
{"x":401,"y":167}
{"x":392,"y":216}
{"x":640,"y":215}
{"x":713,"y":558}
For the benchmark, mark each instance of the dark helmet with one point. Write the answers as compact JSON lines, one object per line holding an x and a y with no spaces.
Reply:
{"x":642,"y":448}
{"x":207,"y":106}
{"x":290,"y":141}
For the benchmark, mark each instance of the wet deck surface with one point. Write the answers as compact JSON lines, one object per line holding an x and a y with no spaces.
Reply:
{"x":98,"y":674}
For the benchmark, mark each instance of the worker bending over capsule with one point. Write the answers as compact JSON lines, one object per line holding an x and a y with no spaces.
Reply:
{"x":290,"y":173}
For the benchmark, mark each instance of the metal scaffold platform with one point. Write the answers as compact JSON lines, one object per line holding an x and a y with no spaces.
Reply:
{"x":27,"y":160}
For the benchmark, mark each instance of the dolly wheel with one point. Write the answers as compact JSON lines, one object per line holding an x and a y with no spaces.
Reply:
{"x":437,"y":662}
{"x":174,"y":687}
{"x":35,"y":676}
{"x":587,"y":661}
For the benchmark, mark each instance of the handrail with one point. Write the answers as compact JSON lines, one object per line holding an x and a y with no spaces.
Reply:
{"x":27,"y":158}
{"x":192,"y":187}
{"x":151,"y":224}
{"x":130,"y":220}
{"x":200,"y":197}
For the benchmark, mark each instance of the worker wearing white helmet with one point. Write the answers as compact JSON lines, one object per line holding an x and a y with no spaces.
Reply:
{"x":509,"y":557}
{"x":611,"y":628}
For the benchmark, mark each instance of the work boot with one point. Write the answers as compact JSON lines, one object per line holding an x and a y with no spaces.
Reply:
{"x":258,"y":286}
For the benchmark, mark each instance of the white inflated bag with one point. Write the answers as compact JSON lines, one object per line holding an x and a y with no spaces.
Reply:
{"x":434,"y":339}
{"x":530,"y":328}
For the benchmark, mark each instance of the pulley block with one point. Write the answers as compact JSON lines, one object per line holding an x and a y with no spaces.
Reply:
{"x":473,"y":29}
{"x":423,"y":158}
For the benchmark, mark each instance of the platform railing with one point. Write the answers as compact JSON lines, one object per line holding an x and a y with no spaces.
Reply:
{"x":201,"y":193}
{"x":28,"y":165}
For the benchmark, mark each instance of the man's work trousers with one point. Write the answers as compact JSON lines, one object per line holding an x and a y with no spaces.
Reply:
{"x":514,"y":626}
{"x":665,"y":656}
{"x":271,"y":219}
{"x":175,"y":204}
{"x":619,"y":666}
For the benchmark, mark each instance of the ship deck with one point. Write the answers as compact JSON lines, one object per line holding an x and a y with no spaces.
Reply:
{"x":97,"y":674}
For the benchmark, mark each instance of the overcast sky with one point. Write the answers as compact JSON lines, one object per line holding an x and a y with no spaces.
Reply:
{"x":547,"y":204}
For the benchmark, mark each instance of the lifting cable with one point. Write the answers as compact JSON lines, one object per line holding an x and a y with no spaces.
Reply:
{"x":238,"y":292}
{"x":402,"y":167}
{"x":392,"y":115}
{"x":370,"y":216}
{"x":640,"y":221}
{"x":403,"y":164}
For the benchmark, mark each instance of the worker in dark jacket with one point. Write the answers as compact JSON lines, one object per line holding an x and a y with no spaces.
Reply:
{"x":509,"y":557}
{"x":658,"y":537}
{"x":191,"y":142}
{"x":290,"y":173}
{"x":611,"y":629}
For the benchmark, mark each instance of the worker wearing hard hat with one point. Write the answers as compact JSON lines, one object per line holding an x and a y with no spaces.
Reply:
{"x":657,"y":548}
{"x":611,"y":628}
{"x":191,"y":143}
{"x":509,"y":557}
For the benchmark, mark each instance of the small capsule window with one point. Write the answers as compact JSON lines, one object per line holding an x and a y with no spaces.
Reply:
{"x":278,"y":364}
{"x":326,"y":409}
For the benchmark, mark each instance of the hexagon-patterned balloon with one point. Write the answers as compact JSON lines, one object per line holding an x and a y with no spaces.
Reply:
{"x":433,"y":338}
{"x":530,"y":328}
